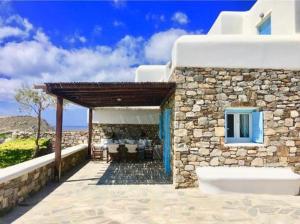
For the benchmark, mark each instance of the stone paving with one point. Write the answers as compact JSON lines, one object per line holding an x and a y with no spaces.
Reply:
{"x":89,"y":197}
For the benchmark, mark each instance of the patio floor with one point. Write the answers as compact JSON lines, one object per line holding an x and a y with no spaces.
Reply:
{"x":96,"y":194}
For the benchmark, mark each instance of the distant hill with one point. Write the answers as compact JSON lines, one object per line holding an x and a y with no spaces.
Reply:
{"x":21,"y":123}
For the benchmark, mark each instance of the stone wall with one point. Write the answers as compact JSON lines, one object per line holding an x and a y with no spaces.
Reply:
{"x":14,"y":191}
{"x":124,"y":131}
{"x":201,"y":97}
{"x":69,"y":138}
{"x":121,"y":131}
{"x":71,"y":161}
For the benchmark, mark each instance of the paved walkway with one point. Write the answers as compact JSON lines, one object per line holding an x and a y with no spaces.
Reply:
{"x":86,"y":198}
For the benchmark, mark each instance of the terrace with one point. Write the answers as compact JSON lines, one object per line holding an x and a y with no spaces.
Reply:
{"x":92,"y":95}
{"x":21,"y":180}
{"x":121,"y":192}
{"x":93,"y":193}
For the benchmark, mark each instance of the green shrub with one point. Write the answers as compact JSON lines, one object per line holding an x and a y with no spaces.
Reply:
{"x":3,"y":135}
{"x":19,"y":150}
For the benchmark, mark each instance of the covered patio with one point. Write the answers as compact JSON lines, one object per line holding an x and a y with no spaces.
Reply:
{"x":108,"y":94}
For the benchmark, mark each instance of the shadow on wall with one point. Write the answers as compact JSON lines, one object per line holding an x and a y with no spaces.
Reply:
{"x":134,"y":173}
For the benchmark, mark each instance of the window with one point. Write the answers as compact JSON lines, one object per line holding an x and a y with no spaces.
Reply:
{"x":264,"y":28}
{"x":243,"y":125}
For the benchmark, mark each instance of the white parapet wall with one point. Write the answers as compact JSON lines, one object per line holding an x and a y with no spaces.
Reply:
{"x":228,"y":23}
{"x":237,"y":51}
{"x":126,"y":115}
{"x":284,"y":18}
{"x":233,"y":42}
{"x":151,"y":73}
{"x":19,"y":181}
{"x":20,"y":169}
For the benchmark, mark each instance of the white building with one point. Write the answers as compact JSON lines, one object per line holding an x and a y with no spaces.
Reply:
{"x":268,"y":36}
{"x":233,"y":34}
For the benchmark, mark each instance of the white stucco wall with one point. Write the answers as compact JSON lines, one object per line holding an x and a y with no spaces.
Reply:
{"x":151,"y":73}
{"x":233,"y":42}
{"x":284,"y":18}
{"x":237,"y":51}
{"x":228,"y":23}
{"x":126,"y":115}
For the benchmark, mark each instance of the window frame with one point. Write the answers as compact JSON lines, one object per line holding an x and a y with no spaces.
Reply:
{"x":237,"y":138}
{"x":267,"y":17}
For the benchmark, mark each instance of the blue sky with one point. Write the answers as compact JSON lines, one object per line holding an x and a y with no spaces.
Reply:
{"x":92,"y":41}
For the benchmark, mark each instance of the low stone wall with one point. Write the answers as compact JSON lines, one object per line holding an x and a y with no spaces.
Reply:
{"x":121,"y":131}
{"x":73,"y":160}
{"x":201,"y":97}
{"x":124,"y":131}
{"x":19,"y":181}
{"x":69,"y":138}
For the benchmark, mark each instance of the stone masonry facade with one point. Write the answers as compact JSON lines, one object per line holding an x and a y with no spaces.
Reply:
{"x":121,"y":131}
{"x":69,"y":138}
{"x":201,"y":97}
{"x":124,"y":131}
{"x":14,"y":191}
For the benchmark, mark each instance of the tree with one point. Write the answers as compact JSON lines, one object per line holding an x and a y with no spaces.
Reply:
{"x":34,"y":101}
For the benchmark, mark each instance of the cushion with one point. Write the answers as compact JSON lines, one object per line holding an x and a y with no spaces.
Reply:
{"x":106,"y":141}
{"x":129,"y":141}
{"x":122,"y":141}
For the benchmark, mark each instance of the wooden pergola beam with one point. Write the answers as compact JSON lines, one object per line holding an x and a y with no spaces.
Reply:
{"x":108,"y":94}
{"x":91,"y":95}
{"x":58,"y":138}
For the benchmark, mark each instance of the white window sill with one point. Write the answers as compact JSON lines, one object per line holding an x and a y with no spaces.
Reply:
{"x":249,"y":144}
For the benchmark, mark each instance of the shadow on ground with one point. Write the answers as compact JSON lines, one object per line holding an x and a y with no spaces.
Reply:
{"x":148,"y":172}
{"x":97,"y":173}
{"x":34,"y":198}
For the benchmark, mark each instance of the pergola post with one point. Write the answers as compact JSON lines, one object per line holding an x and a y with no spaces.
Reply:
{"x":90,"y":133}
{"x":58,"y":137}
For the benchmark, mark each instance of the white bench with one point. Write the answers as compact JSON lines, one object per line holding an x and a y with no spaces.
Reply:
{"x":265,"y":180}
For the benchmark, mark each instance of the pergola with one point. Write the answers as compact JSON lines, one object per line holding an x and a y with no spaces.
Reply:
{"x":103,"y":94}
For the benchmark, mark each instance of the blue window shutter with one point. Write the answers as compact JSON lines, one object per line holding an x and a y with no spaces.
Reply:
{"x":257,"y":127}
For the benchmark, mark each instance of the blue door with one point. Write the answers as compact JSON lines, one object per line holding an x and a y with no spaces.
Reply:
{"x":167,"y":140}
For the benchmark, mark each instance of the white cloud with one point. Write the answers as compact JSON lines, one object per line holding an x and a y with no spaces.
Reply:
{"x":7,"y":88}
{"x":155,"y":17}
{"x":36,"y":59}
{"x":82,"y":39}
{"x":5,"y":8}
{"x":23,"y":22}
{"x":7,"y":31}
{"x":158,"y":48}
{"x":40,"y":36}
{"x":76,"y":38}
{"x":117,"y":23}
{"x":14,"y":27}
{"x":119,"y":3}
{"x":180,"y":17}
